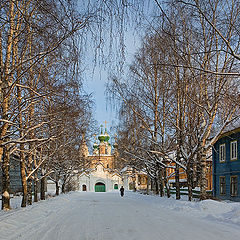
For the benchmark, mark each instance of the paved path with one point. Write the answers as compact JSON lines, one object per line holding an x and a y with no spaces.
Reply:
{"x":107,"y":216}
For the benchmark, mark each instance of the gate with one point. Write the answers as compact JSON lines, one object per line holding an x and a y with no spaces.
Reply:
{"x":100,"y":187}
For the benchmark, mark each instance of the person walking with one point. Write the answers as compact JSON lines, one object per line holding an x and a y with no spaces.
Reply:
{"x":122,"y":191}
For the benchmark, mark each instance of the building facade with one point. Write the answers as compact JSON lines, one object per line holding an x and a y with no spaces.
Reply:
{"x":101,"y":175}
{"x":15,"y":175}
{"x":226,"y":166}
{"x":135,"y":180}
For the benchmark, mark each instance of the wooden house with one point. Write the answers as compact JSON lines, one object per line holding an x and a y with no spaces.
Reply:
{"x":15,"y":176}
{"x":226,"y":166}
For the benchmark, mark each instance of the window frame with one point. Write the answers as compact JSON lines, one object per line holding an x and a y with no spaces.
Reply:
{"x":220,"y":185}
{"x":231,"y":150}
{"x":235,"y":193}
{"x":224,"y":152}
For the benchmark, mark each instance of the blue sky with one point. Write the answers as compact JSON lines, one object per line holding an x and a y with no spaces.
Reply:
{"x":95,"y":83}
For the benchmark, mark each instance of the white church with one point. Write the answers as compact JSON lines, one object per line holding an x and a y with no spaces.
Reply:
{"x":101,"y":176}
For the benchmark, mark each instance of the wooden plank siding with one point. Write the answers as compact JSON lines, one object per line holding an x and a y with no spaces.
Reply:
{"x":228,"y":169}
{"x":15,"y":176}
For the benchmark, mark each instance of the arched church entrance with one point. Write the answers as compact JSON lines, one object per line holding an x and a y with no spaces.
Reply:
{"x":84,"y":188}
{"x":100,"y":187}
{"x":115,"y":186}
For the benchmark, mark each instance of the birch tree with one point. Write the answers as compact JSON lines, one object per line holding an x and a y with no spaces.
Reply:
{"x":31,"y":39}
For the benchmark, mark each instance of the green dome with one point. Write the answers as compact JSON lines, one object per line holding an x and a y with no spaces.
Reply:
{"x":106,"y":138}
{"x":101,"y":138}
{"x":95,"y":146}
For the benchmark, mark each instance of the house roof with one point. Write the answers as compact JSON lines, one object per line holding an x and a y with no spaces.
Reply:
{"x":233,"y":127}
{"x":229,"y":131}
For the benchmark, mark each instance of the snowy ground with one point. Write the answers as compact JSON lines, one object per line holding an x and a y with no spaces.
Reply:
{"x":107,"y":216}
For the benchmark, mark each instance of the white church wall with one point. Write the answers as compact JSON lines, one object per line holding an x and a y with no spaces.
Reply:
{"x":84,"y":180}
{"x":100,"y":175}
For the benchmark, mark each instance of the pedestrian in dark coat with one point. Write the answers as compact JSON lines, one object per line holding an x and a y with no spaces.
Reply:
{"x":122,"y":191}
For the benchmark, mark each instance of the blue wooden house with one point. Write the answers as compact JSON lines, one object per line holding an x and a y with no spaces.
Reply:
{"x":15,"y":176}
{"x":226,"y":166}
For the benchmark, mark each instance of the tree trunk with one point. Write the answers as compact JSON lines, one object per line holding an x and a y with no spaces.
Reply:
{"x":63,"y":187}
{"x":189,"y":182}
{"x":57,"y":188}
{"x":23,"y":177}
{"x":177,"y":182}
{"x":166,"y":183}
{"x":43,"y":197}
{"x":134,"y":185}
{"x":35,"y":179}
{"x":5,"y":98}
{"x":35,"y":190}
{"x":156,"y":186}
{"x":203,"y":180}
{"x":21,"y":154}
{"x":190,"y":194}
{"x":134,"y":180}
{"x":148,"y":182}
{"x":6,"y":179}
{"x":161,"y":185}
{"x":29,"y":191}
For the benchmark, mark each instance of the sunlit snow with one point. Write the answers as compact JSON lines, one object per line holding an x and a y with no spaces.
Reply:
{"x":107,"y":216}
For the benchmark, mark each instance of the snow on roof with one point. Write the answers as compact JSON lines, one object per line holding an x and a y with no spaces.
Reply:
{"x":232,"y":126}
{"x":126,"y":168}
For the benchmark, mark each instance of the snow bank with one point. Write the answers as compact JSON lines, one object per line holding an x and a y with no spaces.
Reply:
{"x":222,"y":211}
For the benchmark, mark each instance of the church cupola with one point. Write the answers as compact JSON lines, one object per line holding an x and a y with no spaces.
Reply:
{"x":102,"y":136}
{"x":107,"y":137}
{"x":104,"y":147}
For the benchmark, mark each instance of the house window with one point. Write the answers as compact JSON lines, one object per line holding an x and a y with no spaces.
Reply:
{"x":233,"y":150}
{"x":233,"y":187}
{"x":222,"y":185}
{"x":222,"y":153}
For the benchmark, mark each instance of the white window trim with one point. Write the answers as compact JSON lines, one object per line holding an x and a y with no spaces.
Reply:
{"x":231,"y":143}
{"x":220,"y":147}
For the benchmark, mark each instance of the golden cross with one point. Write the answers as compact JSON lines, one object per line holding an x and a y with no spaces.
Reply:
{"x":105,"y":124}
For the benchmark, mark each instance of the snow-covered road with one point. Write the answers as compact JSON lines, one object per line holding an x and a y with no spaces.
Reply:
{"x":106,"y":216}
